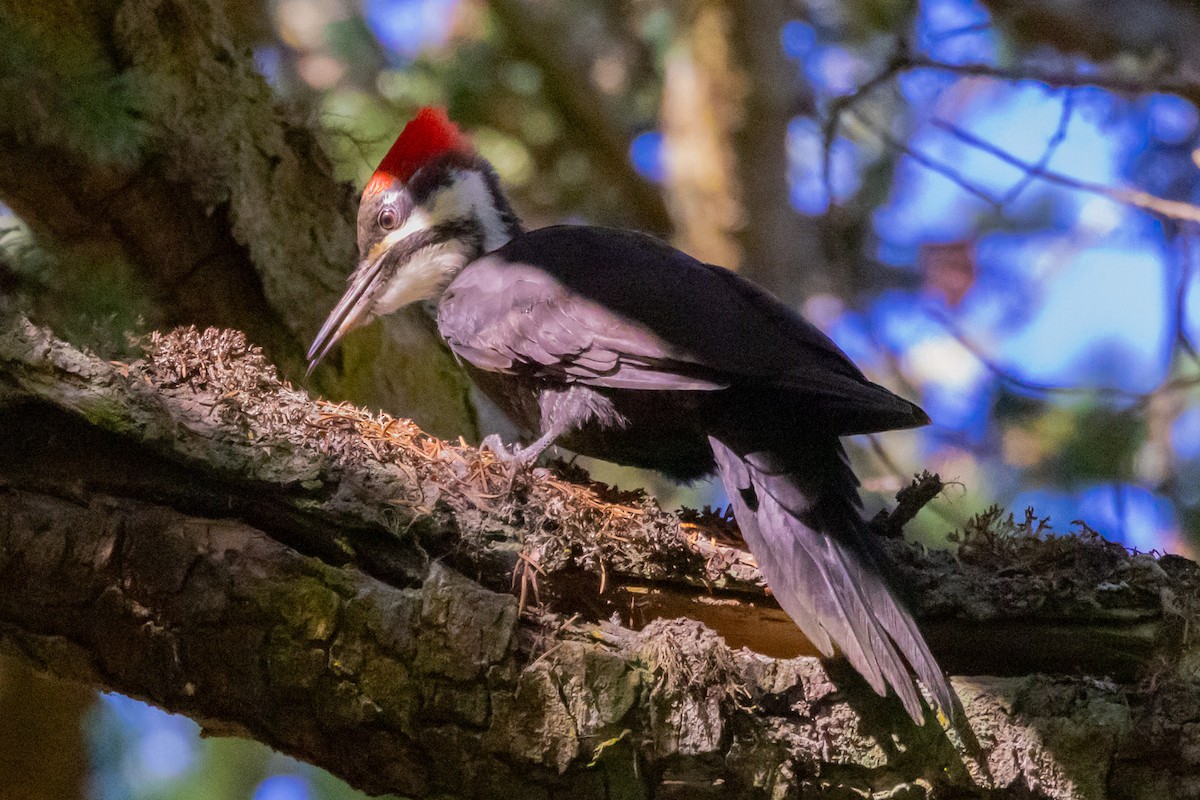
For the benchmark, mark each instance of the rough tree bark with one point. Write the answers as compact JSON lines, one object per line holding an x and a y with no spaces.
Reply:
{"x":138,"y":129}
{"x":189,"y":530}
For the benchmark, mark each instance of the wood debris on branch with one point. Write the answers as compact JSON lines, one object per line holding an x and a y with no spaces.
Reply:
{"x":191,"y":530}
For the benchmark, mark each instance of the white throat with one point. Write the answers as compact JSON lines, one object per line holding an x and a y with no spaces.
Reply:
{"x":425,"y":277}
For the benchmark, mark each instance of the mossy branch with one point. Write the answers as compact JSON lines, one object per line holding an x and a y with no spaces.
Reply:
{"x":191,"y":530}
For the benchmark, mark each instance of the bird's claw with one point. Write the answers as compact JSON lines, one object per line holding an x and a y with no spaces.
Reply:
{"x":509,"y":454}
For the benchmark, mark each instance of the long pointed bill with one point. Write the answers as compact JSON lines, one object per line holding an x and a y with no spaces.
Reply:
{"x":349,"y":312}
{"x":372,"y":280}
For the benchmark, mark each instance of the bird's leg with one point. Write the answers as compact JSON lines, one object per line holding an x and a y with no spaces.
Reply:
{"x":539,"y":446}
{"x":516,"y":454}
{"x":563,"y":410}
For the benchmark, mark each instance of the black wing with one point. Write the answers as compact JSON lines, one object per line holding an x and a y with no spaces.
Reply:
{"x":617,"y":309}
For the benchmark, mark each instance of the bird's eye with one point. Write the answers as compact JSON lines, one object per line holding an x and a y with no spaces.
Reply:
{"x":387,"y":219}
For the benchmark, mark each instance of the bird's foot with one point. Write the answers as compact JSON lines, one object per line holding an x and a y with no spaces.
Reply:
{"x":511,"y":454}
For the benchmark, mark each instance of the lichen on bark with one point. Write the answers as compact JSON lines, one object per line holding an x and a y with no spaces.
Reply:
{"x":191,"y":530}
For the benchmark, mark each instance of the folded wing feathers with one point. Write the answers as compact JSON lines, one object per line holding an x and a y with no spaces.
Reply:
{"x":802,"y":534}
{"x":539,"y":327}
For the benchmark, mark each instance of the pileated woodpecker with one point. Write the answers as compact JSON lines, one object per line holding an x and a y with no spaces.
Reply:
{"x":620,"y":347}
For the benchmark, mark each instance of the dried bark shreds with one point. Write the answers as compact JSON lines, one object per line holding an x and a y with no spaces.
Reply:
{"x":560,"y":523}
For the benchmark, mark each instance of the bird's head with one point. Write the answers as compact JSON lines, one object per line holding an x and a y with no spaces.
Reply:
{"x":432,"y":206}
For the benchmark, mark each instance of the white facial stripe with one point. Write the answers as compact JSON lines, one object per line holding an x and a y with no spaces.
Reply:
{"x":418,"y":220}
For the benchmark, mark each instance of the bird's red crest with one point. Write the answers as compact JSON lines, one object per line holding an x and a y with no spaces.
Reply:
{"x":429,"y":135}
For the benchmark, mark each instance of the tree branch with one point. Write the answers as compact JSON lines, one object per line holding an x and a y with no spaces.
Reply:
{"x":903,"y":60}
{"x":189,"y":530}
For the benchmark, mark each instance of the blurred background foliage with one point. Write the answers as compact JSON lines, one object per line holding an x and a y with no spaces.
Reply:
{"x":989,"y":204}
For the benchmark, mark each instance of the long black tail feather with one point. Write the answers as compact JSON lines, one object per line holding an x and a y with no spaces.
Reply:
{"x":799,"y":513}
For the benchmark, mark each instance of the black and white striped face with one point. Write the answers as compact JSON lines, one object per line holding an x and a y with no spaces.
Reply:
{"x":415,"y":237}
